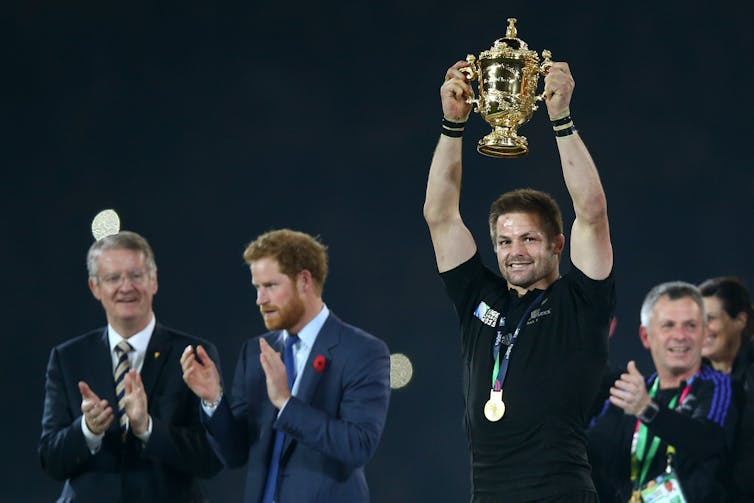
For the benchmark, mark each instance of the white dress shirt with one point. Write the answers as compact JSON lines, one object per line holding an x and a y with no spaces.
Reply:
{"x":303,"y":347}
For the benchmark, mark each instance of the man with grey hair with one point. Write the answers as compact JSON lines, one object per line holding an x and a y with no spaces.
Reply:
{"x":119,"y":424}
{"x":668,"y":433}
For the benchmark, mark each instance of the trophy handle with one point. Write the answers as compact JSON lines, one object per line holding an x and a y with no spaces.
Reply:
{"x":544,"y":68}
{"x":472,"y":72}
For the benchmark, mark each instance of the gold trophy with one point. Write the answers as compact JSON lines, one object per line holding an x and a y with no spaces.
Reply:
{"x":508,"y":73}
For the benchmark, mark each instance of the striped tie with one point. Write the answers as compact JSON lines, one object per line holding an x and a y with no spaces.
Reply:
{"x":121,"y":369}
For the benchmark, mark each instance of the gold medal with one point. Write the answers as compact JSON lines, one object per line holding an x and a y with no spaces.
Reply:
{"x":494,"y":409}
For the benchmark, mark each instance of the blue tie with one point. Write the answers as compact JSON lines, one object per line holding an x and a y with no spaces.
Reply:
{"x":277,"y":449}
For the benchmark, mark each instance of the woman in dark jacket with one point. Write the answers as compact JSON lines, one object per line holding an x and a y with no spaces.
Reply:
{"x":729,"y":348}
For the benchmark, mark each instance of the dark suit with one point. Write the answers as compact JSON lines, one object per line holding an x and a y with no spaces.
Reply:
{"x":332,"y":427}
{"x":163,"y":470}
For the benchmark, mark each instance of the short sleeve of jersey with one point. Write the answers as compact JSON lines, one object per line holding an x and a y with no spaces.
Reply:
{"x":468,"y":283}
{"x":594,"y":300}
{"x":599,"y":289}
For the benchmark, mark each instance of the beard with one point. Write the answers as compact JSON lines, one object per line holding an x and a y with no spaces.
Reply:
{"x":285,"y":316}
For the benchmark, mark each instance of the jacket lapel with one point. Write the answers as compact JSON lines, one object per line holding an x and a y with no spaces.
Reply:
{"x":158,"y":352}
{"x":328,"y":338}
{"x":101,"y":378}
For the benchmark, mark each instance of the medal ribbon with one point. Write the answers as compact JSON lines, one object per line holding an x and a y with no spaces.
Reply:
{"x":500,"y":370}
{"x":639,"y":440}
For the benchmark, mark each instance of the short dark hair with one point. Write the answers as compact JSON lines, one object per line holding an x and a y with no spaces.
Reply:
{"x":528,"y":201}
{"x":123,"y":240}
{"x":734,"y":298}
{"x":294,"y":251}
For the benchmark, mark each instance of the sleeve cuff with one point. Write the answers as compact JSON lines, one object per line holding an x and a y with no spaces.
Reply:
{"x":144,"y":437}
{"x":93,"y":441}
{"x":283,"y":407}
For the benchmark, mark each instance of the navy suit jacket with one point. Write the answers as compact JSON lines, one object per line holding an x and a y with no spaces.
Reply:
{"x":332,"y":427}
{"x":163,"y":470}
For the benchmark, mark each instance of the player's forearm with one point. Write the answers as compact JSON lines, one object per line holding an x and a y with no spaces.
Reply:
{"x":444,"y":182}
{"x":582,"y":180}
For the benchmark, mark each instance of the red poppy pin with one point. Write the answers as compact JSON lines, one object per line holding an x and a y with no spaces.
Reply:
{"x":319,"y":363}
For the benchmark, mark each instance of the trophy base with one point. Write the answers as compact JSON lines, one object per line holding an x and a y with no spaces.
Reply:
{"x":503,"y":142}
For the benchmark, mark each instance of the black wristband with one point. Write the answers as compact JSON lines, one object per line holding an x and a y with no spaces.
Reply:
{"x":562,"y":121}
{"x":568,"y":131}
{"x":452,"y":129}
{"x":563,"y":126}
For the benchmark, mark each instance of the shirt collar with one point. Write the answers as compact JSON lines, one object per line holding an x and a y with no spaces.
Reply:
{"x":309,"y":333}
{"x":139,"y":341}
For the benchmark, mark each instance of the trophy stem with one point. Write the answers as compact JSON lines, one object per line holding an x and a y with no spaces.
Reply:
{"x":503,"y":142}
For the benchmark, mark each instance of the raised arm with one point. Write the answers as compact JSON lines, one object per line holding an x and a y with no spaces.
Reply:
{"x":452,"y":241}
{"x":591,"y":250}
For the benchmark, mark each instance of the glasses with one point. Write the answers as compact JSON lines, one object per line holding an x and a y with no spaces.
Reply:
{"x":138,"y":277}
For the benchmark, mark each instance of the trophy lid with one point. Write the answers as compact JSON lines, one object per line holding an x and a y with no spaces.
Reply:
{"x":510,"y":46}
{"x":511,"y":39}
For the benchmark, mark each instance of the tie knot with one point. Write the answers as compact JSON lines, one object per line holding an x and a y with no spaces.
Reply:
{"x":123,"y":347}
{"x":291,"y":340}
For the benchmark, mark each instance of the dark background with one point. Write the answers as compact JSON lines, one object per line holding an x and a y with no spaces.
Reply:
{"x":204,"y":125}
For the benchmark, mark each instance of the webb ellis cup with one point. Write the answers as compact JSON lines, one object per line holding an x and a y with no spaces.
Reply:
{"x":507,"y":73}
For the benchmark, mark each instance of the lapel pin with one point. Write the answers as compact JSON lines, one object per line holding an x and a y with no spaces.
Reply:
{"x":156,"y":354}
{"x":319,"y":363}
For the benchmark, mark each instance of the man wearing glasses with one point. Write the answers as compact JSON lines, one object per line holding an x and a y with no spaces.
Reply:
{"x":119,"y":424}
